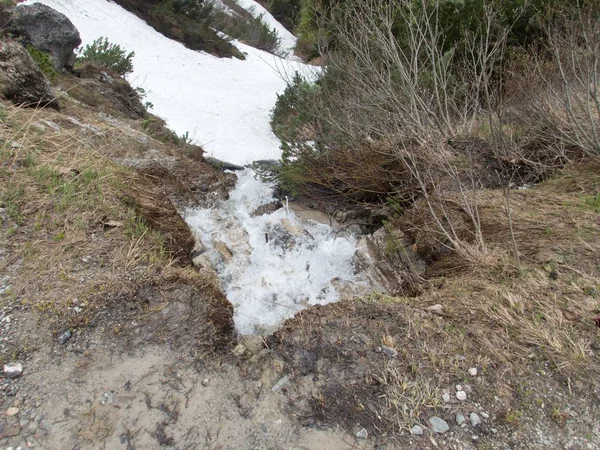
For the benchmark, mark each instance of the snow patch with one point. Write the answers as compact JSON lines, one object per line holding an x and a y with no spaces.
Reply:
{"x":224,"y":104}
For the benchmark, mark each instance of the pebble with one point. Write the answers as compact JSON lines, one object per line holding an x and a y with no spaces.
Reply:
{"x":461,"y":395}
{"x":475,"y":419}
{"x":107,"y":397}
{"x":446,"y":397}
{"x":64,"y":338}
{"x":437,"y":309}
{"x":362,"y":433}
{"x":389,"y":351}
{"x":438,"y":425}
{"x":281,"y":383}
{"x":377,"y":349}
{"x":10,"y":412}
{"x":460,"y":419}
{"x":485,"y":415}
{"x":205,"y":382}
{"x":13,"y":370}
{"x":417,"y":430}
{"x":473,"y":371}
{"x":459,"y":387}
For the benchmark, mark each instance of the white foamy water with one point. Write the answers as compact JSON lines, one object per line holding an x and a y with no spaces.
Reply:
{"x":224,"y":104}
{"x":280,"y":264}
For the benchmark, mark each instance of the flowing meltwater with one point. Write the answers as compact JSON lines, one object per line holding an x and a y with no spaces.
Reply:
{"x":270,"y":266}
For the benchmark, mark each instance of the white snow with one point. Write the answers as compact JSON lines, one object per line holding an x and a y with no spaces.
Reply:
{"x":287,"y":39}
{"x":270,"y":280}
{"x":223,"y":103}
{"x":280,"y":264}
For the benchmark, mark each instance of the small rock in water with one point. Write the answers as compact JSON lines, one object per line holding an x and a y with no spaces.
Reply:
{"x":461,"y":395}
{"x":13,"y":370}
{"x":362,"y":433}
{"x":281,"y":383}
{"x":473,"y":371}
{"x":460,"y":419}
{"x":64,"y":338}
{"x":475,"y":419}
{"x":12,"y":412}
{"x":417,"y":430}
{"x":437,"y":309}
{"x":446,"y":397}
{"x":438,"y":425}
{"x":389,"y":351}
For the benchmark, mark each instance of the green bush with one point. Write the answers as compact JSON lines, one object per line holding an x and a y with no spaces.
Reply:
{"x":106,"y":54}
{"x":293,"y":109}
{"x":252,"y":31}
{"x":43,"y":61}
{"x":287,"y":12}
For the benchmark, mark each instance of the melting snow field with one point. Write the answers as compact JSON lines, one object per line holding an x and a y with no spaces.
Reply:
{"x":280,"y":264}
{"x":223,"y":103}
{"x":270,"y":266}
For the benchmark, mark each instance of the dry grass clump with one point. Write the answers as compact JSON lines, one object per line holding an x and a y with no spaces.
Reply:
{"x":70,"y":238}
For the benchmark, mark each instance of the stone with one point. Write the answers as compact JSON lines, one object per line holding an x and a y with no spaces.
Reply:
{"x":281,"y":383}
{"x":417,"y":430}
{"x":222,"y":249}
{"x":460,"y":419}
{"x":362,"y":434}
{"x":436,"y":309}
{"x":475,"y":419}
{"x":21,"y":80}
{"x":64,"y":338}
{"x":267,"y":208}
{"x":461,"y":395}
{"x":205,"y":382}
{"x":446,"y":397}
{"x":107,"y":397}
{"x":438,"y":425}
{"x":47,"y":30}
{"x":459,"y":387}
{"x":341,"y":216}
{"x":222,"y":165}
{"x":389,"y":351}
{"x":472,"y":371}
{"x":484,"y":415}
{"x":13,"y":370}
{"x":11,"y":429}
{"x":10,"y":412}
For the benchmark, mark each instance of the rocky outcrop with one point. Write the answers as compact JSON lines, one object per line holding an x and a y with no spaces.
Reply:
{"x":47,"y":30}
{"x":105,"y":91}
{"x":21,"y":80}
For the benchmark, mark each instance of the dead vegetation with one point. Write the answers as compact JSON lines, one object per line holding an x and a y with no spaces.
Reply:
{"x":91,"y":243}
{"x":496,"y":190}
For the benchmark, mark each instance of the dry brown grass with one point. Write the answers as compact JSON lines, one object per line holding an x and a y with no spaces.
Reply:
{"x":79,"y":230}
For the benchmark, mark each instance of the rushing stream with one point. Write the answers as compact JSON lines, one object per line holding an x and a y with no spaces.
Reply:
{"x":272,"y":265}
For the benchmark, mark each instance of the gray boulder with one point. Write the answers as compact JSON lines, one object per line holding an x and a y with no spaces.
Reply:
{"x":21,"y":80}
{"x":47,"y":30}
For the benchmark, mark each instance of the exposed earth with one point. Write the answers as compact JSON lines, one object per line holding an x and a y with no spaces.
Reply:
{"x":112,"y":335}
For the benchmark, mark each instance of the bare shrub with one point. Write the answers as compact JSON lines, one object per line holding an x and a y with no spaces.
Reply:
{"x":564,"y":109}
